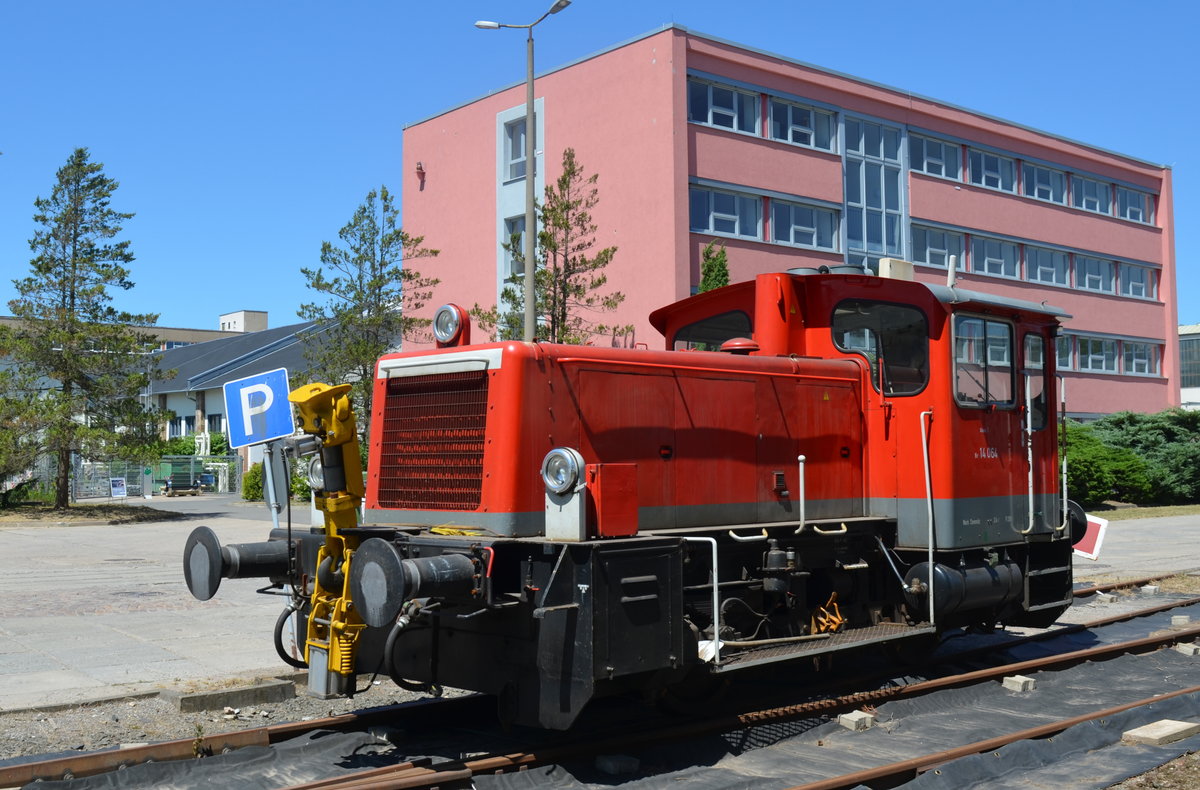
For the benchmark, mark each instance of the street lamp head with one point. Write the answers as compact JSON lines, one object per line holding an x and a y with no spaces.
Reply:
{"x":484,"y":24}
{"x":560,"y":5}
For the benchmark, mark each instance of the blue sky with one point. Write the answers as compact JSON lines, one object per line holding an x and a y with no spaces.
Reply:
{"x":243,"y":134}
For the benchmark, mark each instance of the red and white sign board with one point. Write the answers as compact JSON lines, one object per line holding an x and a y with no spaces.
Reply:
{"x":1089,"y":545}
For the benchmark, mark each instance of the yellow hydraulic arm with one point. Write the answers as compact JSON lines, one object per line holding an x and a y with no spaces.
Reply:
{"x":333,"y":624}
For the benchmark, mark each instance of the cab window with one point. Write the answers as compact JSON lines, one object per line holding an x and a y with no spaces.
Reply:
{"x":709,"y":333}
{"x":983,"y":361}
{"x":894,"y":339}
{"x":1034,"y":371}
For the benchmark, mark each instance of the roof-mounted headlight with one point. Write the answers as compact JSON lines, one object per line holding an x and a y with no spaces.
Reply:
{"x":562,"y":470}
{"x":450,"y":327}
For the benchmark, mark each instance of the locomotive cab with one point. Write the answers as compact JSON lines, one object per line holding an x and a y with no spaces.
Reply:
{"x":813,"y":463}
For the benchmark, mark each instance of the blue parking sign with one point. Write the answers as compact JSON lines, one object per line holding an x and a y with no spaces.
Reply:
{"x":258,"y":409}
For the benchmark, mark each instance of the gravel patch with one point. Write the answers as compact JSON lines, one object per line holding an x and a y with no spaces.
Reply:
{"x":104,"y":725}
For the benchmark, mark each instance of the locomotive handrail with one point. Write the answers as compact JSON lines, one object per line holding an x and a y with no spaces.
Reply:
{"x":716,"y":596}
{"x":747,"y":538}
{"x":841,"y":530}
{"x":1062,"y":450}
{"x":1027,"y":429}
{"x":803,"y":495}
{"x":928,"y":506}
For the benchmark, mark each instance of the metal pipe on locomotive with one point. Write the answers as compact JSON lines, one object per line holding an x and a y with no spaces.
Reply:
{"x":816,"y":462}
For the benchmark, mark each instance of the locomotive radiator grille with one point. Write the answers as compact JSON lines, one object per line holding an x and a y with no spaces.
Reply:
{"x":433,"y":437}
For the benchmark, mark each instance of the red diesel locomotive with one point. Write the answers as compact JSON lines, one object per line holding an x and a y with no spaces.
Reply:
{"x":815,"y":462}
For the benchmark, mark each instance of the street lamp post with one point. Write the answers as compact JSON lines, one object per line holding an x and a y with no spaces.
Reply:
{"x":530,"y":218}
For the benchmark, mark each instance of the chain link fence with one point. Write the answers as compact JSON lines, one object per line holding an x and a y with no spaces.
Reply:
{"x":211,"y":473}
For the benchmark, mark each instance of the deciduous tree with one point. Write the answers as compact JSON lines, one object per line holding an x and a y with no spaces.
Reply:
{"x":371,"y":290}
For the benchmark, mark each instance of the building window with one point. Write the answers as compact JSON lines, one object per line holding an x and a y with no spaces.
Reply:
{"x":181,"y":426}
{"x":1137,"y":281}
{"x":935,"y":157}
{"x":1133,"y":205}
{"x":1043,"y":183}
{"x":1097,"y":354}
{"x":794,"y":123}
{"x":1046,"y":266}
{"x":1189,"y":361}
{"x":872,"y":190}
{"x":1141,"y":359}
{"x":514,"y":149}
{"x":1093,"y":274}
{"x":992,"y":170}
{"x":718,"y":105}
{"x":934,"y":247}
{"x":713,"y":211}
{"x":514,"y":231}
{"x":215,"y":423}
{"x":1064,"y":346}
{"x":992,"y":256}
{"x":806,"y":226}
{"x":1091,"y":195}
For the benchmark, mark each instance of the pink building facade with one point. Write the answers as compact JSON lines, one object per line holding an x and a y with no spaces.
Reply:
{"x":789,"y":165}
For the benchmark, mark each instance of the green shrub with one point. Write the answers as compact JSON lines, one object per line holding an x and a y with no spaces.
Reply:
{"x":1097,"y":471}
{"x":252,"y":483}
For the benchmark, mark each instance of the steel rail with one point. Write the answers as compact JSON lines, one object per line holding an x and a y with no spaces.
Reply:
{"x":1117,"y":585}
{"x":407,"y":776}
{"x":917,"y":765}
{"x":459,"y":707}
{"x":93,"y":763}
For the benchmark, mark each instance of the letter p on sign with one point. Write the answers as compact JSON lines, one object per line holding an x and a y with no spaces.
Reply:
{"x":258,"y":409}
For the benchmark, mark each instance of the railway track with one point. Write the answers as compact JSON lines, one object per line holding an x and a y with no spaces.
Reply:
{"x":448,"y":771}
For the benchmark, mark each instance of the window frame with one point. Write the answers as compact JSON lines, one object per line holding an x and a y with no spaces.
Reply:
{"x":738,"y":197}
{"x":1031,"y":183}
{"x":945,"y":146}
{"x":979,"y":174}
{"x":1080,"y":198}
{"x":1125,"y":209}
{"x":1081,"y":276}
{"x":1148,"y":282}
{"x":513,"y":160}
{"x":1150,"y":359}
{"x":985,"y":361}
{"x":879,"y":376}
{"x":791,"y":207}
{"x":790,"y":126}
{"x":1085,"y":354}
{"x":979,"y":266}
{"x":739,"y":98}
{"x":945,"y":251}
{"x":1033,"y":269}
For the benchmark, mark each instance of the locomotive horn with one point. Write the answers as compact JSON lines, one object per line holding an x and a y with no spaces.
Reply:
{"x":381,"y":581}
{"x":206,"y":561}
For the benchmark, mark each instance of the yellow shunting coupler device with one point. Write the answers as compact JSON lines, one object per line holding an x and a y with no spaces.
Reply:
{"x":333,"y":624}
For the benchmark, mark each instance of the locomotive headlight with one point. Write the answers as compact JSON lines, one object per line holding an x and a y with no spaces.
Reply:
{"x":562,"y":469}
{"x":314,"y":473}
{"x":447,"y":323}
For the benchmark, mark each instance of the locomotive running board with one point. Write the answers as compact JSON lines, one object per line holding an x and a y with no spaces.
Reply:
{"x":855,"y":637}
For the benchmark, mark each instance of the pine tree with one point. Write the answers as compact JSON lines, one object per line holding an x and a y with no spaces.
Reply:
{"x":568,"y":282}
{"x":714,"y":267}
{"x":86,"y":357}
{"x":372,"y":291}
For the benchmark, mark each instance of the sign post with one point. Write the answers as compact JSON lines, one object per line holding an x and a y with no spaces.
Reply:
{"x":259,"y":412}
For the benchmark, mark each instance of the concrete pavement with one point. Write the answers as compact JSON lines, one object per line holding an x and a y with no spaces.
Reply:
{"x":91,"y":612}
